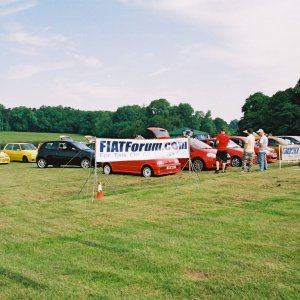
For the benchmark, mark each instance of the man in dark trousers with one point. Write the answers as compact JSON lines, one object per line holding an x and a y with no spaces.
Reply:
{"x":222,"y":141}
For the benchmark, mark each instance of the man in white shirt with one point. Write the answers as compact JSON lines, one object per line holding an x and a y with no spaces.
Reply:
{"x":262,"y":153}
{"x":248,"y":151}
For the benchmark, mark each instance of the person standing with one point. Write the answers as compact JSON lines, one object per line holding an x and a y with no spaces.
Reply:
{"x":248,"y":153}
{"x":222,"y":141}
{"x":262,"y":153}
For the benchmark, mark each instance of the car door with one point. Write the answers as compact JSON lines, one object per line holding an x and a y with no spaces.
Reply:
{"x":16,"y":152}
{"x":68,"y":154}
{"x":60,"y":157}
{"x":72,"y":154}
{"x":50,"y":152}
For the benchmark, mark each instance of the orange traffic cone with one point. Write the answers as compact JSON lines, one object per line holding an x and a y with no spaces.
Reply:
{"x":99,"y":193}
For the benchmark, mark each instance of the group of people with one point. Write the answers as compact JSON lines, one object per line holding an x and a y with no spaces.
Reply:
{"x":222,"y":141}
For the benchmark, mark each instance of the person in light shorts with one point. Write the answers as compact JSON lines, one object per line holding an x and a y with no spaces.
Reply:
{"x":248,"y":153}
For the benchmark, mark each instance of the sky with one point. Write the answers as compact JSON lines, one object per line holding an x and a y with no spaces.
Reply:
{"x":104,"y":54}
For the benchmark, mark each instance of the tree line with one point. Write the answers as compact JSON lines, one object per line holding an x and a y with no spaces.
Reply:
{"x":278,"y":114}
{"x":125,"y":122}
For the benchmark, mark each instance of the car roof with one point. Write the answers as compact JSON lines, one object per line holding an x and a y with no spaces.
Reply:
{"x":287,"y":136}
{"x":278,"y":139}
{"x":237,"y":137}
{"x":19,"y":143}
{"x":59,"y":141}
{"x":157,"y":128}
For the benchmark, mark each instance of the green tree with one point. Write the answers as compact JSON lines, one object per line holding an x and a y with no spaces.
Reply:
{"x":278,"y":114}
{"x":208,"y":124}
{"x":233,"y":127}
{"x":219,"y":124}
{"x":158,"y":114}
{"x":23,"y":119}
{"x":254,"y":109}
{"x":103,"y":124}
{"x":2,"y":117}
{"x":160,"y":107}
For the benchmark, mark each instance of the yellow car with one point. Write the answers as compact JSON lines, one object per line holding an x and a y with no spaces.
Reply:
{"x":4,"y":158}
{"x":21,"y":152}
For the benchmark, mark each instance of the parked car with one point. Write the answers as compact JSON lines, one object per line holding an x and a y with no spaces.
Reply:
{"x":4,"y":158}
{"x":202,"y":156}
{"x":271,"y":153}
{"x":292,"y":139}
{"x":24,"y":152}
{"x":58,"y":153}
{"x":274,"y":142}
{"x":159,"y":133}
{"x":233,"y":149}
{"x":146,"y":168}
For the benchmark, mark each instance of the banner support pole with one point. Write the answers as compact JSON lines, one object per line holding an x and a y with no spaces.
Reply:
{"x":95,"y":174}
{"x":280,"y":151}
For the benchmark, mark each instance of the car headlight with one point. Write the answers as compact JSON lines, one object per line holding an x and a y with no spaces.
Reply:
{"x":159,"y":162}
{"x":176,"y":161}
{"x":212,"y":155}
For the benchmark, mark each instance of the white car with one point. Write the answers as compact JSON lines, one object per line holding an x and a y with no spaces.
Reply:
{"x":292,"y":139}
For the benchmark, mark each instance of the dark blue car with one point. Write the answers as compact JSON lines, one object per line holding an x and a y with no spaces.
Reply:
{"x":61,"y":153}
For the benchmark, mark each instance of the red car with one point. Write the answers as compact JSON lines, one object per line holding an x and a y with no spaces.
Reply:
{"x":203,"y":156}
{"x":271,"y":154}
{"x":146,"y":168}
{"x":160,"y":133}
{"x":234,"y":150}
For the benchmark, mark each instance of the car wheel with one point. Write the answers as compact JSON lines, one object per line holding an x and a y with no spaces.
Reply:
{"x":42,"y":163}
{"x":107,"y":169}
{"x":24,"y":159}
{"x":85,"y":163}
{"x":236,"y":162}
{"x":198,"y":165}
{"x":147,"y":171}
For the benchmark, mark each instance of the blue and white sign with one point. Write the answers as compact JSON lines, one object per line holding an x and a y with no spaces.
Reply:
{"x":108,"y":150}
{"x":290,"y":153}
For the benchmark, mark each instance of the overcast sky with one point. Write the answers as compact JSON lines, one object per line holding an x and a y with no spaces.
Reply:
{"x":103,"y":54}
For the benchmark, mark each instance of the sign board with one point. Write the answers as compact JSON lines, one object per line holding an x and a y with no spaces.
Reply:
{"x":109,"y":150}
{"x":290,"y":153}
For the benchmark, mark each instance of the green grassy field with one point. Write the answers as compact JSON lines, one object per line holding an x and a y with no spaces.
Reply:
{"x":225,"y":236}
{"x":33,"y":137}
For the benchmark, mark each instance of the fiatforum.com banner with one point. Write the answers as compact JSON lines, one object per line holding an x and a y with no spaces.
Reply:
{"x":119,"y":149}
{"x":291,"y":153}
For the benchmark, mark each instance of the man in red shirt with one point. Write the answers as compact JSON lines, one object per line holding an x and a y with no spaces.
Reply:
{"x":222,"y":141}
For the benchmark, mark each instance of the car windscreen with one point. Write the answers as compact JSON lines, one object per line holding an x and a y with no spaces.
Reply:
{"x":282,"y":141}
{"x":291,"y":139}
{"x":81,"y":146}
{"x":28,"y":147}
{"x":232,"y":144}
{"x":199,"y":145}
{"x":91,"y":145}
